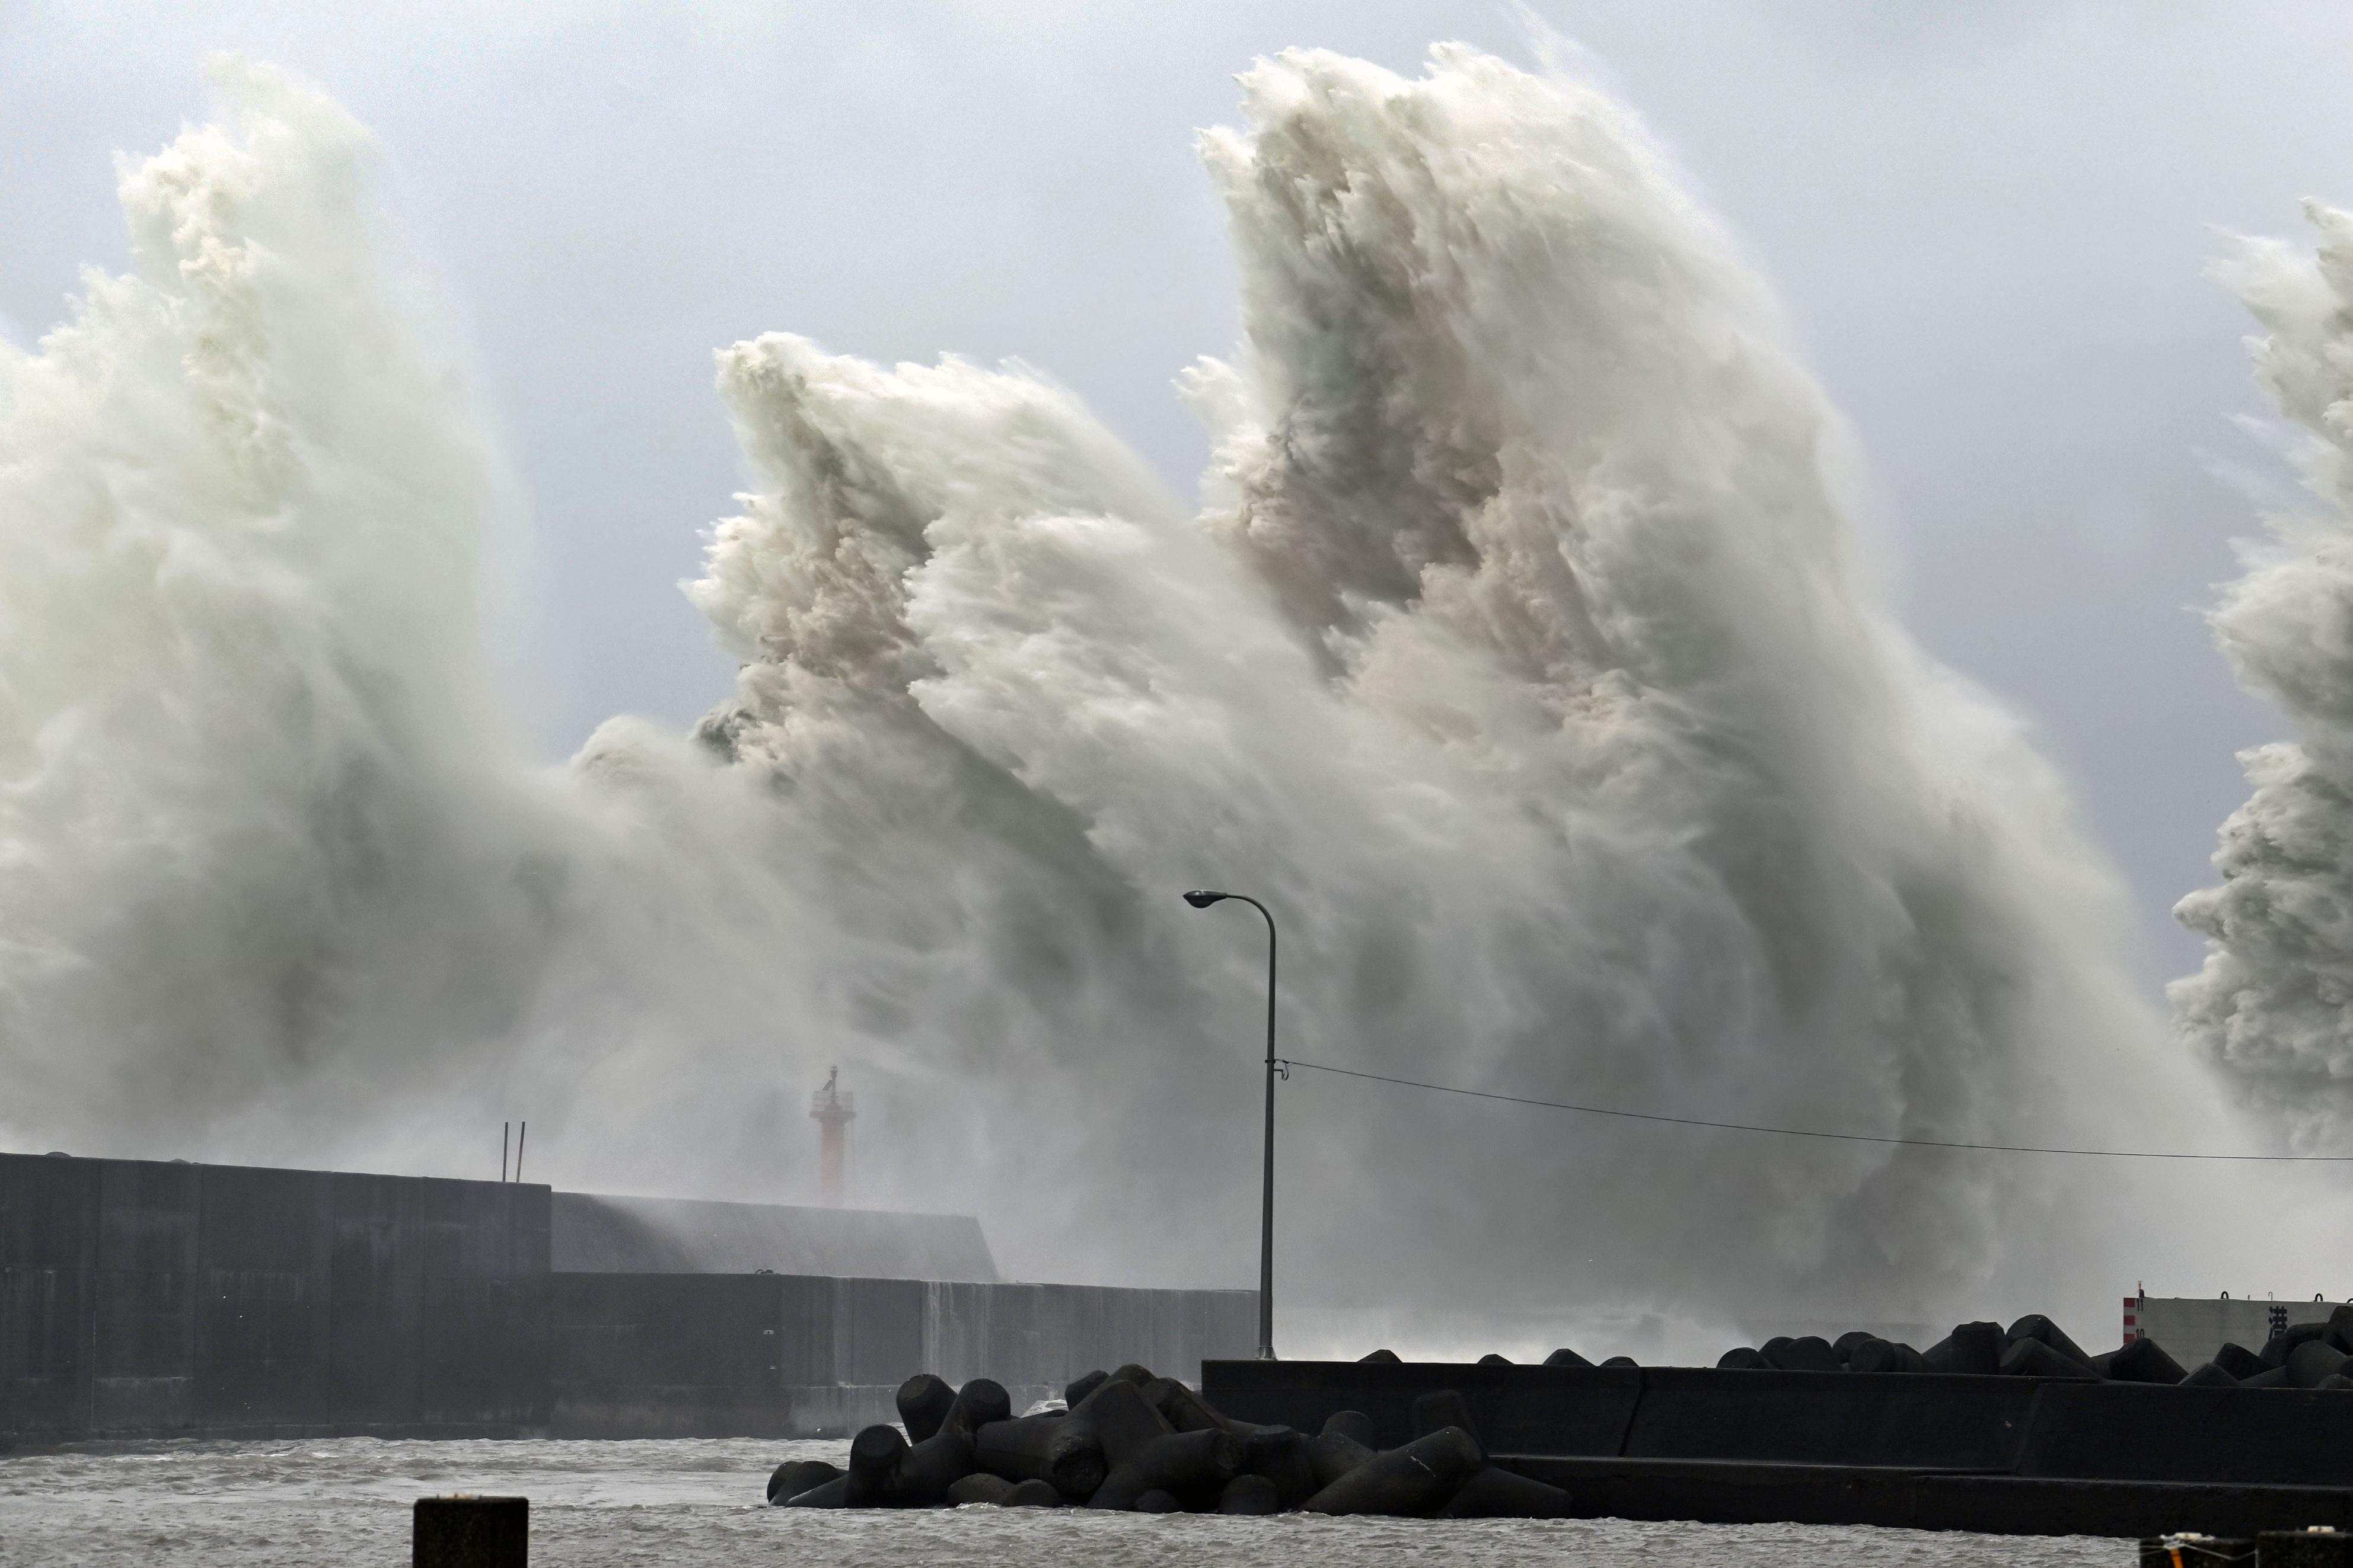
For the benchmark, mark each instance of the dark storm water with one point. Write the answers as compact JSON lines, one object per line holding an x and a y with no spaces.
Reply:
{"x":346,"y":1503}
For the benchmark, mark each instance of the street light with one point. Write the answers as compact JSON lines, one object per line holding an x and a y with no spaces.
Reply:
{"x":1202,"y":900}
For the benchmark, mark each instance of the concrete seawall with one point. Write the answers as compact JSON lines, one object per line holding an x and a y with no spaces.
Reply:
{"x":140,"y":1298}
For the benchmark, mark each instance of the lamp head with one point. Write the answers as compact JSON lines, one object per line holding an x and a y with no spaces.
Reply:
{"x":1201,"y":900}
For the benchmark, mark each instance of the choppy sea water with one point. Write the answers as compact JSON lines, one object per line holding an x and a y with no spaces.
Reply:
{"x":346,"y":1503}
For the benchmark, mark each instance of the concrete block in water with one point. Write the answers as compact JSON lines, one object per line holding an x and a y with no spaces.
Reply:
{"x":1192,"y":1467}
{"x":2335,"y":1380}
{"x":1383,"y":1355}
{"x":1279,"y":1455}
{"x":1442,"y":1408}
{"x":1565,"y":1357}
{"x":2270,"y":1378}
{"x":1061,"y":1450}
{"x":1076,"y":1393}
{"x":930,"y":1467}
{"x":2033,"y":1358}
{"x":1419,"y":1479}
{"x":2035,"y":1326}
{"x":1621,"y":1360}
{"x":2303,"y":1549}
{"x":1351,"y":1423}
{"x":794,"y":1477}
{"x":1844,"y":1346}
{"x":874,"y":1456}
{"x":1121,"y":1419}
{"x":1035,"y":1494}
{"x":1332,"y":1455}
{"x":2340,"y":1328}
{"x":1970,"y":1348}
{"x":1496,"y":1493}
{"x":1491,"y":1359}
{"x":1130,"y":1371}
{"x":2209,"y":1375}
{"x":2192,"y":1550}
{"x":980,"y":1487}
{"x":462,"y":1532}
{"x":1157,"y":1501}
{"x":923,"y":1401}
{"x":976,"y":1403}
{"x":1248,"y":1494}
{"x":2312,"y":1360}
{"x":834,"y":1493}
{"x":2145,"y":1361}
{"x":1745,"y":1358}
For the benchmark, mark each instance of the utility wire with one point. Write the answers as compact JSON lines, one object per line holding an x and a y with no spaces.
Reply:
{"x":1805,"y":1133}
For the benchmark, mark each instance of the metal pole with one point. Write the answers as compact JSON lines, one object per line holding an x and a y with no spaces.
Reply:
{"x":1201,"y":898}
{"x":522,"y":1133}
{"x":506,"y":1130}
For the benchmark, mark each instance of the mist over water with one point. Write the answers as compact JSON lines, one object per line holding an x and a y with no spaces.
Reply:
{"x":1521,"y":652}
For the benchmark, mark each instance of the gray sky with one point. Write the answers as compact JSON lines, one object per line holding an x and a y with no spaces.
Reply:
{"x":1988,"y":219}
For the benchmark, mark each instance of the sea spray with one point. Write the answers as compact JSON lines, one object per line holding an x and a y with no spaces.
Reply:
{"x":2273,"y":1004}
{"x":1518,"y":654}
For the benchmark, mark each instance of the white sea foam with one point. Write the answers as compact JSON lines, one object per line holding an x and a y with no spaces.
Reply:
{"x":1521,"y":655}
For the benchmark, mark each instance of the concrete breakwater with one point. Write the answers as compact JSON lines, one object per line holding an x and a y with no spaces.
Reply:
{"x":2015,"y":1454}
{"x":160,"y":1298}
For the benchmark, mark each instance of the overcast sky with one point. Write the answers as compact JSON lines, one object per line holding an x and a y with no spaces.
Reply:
{"x":1988,"y":219}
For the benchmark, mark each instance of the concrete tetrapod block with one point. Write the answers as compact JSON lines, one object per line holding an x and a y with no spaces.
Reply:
{"x":1491,"y":1359}
{"x":2209,"y":1375}
{"x":1332,"y":1455}
{"x":1157,"y":1501}
{"x":929,"y":1468}
{"x":2193,"y":1550}
{"x":1076,"y":1393}
{"x":2270,"y":1378}
{"x":834,"y":1493}
{"x":1121,"y":1419}
{"x":1621,"y":1360}
{"x":1247,"y":1494}
{"x":1419,"y":1479}
{"x":1442,"y":1408}
{"x":2238,"y":1361}
{"x":1279,"y":1455}
{"x":978,"y":1402}
{"x":874,"y":1456}
{"x":1970,"y":1348}
{"x":1352,"y":1424}
{"x":461,"y":1531}
{"x":1745,"y":1358}
{"x":980,"y":1487}
{"x":2033,"y":1358}
{"x":1809,"y":1352}
{"x":2145,"y":1361}
{"x":1130,"y":1371}
{"x":1061,"y":1450}
{"x":1192,"y":1467}
{"x":2281,"y":1345}
{"x":2303,"y":1549}
{"x":2035,"y":1326}
{"x":2340,"y":1328}
{"x":1035,"y":1494}
{"x":1885,"y":1355}
{"x":2312,"y":1360}
{"x":1565,"y":1357}
{"x":2335,"y":1380}
{"x":923,"y":1401}
{"x":1496,"y":1493}
{"x":1382,"y":1355}
{"x":1846,"y":1344}
{"x":794,"y":1477}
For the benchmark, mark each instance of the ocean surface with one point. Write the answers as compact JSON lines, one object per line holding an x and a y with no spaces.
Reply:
{"x":346,"y":1503}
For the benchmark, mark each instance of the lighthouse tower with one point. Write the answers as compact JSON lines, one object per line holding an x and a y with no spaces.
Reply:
{"x":833,"y":1111}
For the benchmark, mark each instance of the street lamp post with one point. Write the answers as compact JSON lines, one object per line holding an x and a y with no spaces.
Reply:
{"x":1202,"y":900}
